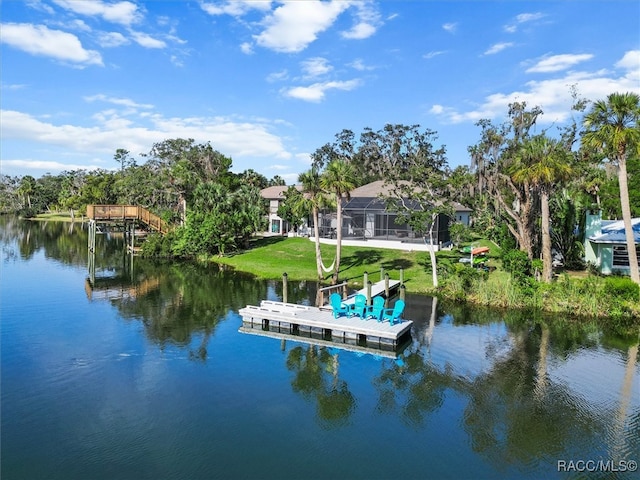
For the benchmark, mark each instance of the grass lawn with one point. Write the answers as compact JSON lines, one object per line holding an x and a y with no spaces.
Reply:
{"x":57,"y":217}
{"x":272,"y":256}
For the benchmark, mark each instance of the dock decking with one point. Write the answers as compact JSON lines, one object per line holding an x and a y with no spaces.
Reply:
{"x":377,"y":288}
{"x":292,"y":317}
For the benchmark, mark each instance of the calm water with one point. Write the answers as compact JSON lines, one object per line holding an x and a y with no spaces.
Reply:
{"x":147,"y":376}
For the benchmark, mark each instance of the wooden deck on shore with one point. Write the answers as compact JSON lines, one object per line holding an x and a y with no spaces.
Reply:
{"x":291,"y":318}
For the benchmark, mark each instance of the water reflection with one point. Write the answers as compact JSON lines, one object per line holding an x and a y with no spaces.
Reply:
{"x":316,"y":378}
{"x":517,"y":391}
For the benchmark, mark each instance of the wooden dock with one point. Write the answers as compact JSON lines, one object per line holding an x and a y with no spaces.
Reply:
{"x":377,"y":289}
{"x":295,"y":319}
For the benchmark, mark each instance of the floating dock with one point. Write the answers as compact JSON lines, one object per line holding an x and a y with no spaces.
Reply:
{"x":302,"y":320}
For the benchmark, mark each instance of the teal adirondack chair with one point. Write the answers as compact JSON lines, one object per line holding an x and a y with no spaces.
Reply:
{"x":358,"y":306}
{"x":338,"y":307}
{"x":394,"y":315}
{"x":375,"y":310}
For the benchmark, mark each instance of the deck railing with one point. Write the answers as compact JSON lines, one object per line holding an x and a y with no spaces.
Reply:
{"x":127,"y":212}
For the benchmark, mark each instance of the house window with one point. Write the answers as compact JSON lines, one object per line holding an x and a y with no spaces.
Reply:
{"x":275,"y":226}
{"x":621,"y":256}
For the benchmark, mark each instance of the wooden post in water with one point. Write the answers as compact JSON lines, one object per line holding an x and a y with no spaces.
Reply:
{"x":344,"y":290}
{"x":386,"y":285}
{"x":284,"y":287}
{"x":369,"y":292}
{"x":365,"y":282}
{"x":402,"y":292}
{"x":92,"y":235}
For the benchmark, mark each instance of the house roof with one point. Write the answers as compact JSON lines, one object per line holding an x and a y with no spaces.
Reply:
{"x":369,"y":197}
{"x":276,"y":192}
{"x":614,"y":232}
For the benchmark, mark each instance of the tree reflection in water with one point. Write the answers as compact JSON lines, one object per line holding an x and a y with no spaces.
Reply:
{"x":316,"y":378}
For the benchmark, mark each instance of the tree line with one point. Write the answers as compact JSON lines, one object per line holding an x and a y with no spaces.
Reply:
{"x":528,"y":187}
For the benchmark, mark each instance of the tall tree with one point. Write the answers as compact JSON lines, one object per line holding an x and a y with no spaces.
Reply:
{"x":493,"y":156}
{"x":26,"y":188}
{"x":338,"y":179}
{"x":185,"y":165}
{"x":541,"y":163}
{"x":414,"y":168}
{"x":613,"y":127}
{"x":312,"y":189}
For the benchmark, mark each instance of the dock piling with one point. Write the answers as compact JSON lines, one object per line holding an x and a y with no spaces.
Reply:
{"x":386,"y":285}
{"x":285,"y":287}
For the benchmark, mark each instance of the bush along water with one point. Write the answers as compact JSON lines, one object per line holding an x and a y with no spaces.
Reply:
{"x":615,"y":301}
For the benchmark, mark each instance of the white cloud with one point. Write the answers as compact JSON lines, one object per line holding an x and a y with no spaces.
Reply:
{"x":304,"y":157}
{"x":38,"y":5}
{"x":48,"y":165}
{"x":433,"y":54}
{"x":358,"y":64}
{"x":552,"y":95}
{"x":556,"y":63}
{"x":294,"y":25}
{"x":147,"y":41}
{"x":278,"y":167}
{"x":498,"y":47}
{"x":360,"y":31}
{"x":523,"y":18}
{"x":123,"y":102}
{"x":450,"y":27}
{"x":40,"y":40}
{"x":235,"y":8}
{"x":12,"y":86}
{"x":630,"y":60}
{"x":124,"y":13}
{"x":529,"y":17}
{"x":278,"y":76}
{"x":112,"y":39}
{"x":315,"y":67}
{"x":246,"y":48}
{"x":367,"y":21}
{"x":316,"y":92}
{"x":138,"y":134}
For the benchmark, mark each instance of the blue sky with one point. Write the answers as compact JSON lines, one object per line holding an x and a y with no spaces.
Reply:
{"x":268,"y":82}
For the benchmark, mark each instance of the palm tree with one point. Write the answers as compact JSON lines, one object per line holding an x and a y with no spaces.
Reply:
{"x":311,"y":187}
{"x":613,"y":127}
{"x":541,"y":163}
{"x":338,"y":179}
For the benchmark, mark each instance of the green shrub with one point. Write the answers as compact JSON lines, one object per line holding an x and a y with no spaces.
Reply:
{"x":517,"y":263}
{"x":157,"y":245}
{"x":621,"y":288}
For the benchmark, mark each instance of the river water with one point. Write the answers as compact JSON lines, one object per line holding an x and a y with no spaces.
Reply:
{"x":143,"y":373}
